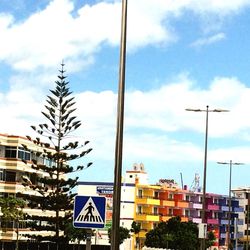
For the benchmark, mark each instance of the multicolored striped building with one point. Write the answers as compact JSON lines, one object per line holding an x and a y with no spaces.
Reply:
{"x":150,"y":204}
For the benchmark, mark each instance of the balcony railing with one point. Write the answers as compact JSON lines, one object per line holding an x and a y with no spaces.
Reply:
{"x":213,"y":207}
{"x":147,"y":197}
{"x":147,"y":217}
{"x":148,"y":200}
{"x":212,"y":221}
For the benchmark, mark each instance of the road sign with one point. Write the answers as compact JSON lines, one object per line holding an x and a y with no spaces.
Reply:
{"x":202,"y":230}
{"x":89,"y":212}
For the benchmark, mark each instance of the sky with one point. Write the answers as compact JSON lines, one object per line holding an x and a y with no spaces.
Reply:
{"x":180,"y":54}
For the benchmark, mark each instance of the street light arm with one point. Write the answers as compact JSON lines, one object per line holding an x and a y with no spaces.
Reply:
{"x":224,"y":163}
{"x":194,"y":110}
{"x":219,"y":110}
{"x":232,"y":163}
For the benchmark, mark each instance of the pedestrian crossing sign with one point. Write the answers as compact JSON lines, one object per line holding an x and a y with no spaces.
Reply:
{"x":89,"y":212}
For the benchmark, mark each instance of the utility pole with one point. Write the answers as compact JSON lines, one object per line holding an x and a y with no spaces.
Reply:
{"x":230,"y":163}
{"x":207,"y":111}
{"x":119,"y":134}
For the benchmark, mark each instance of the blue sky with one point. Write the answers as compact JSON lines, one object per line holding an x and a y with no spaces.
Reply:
{"x":181,"y":54}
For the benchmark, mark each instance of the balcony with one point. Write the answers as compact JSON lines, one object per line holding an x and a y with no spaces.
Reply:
{"x":168,"y":203}
{"x":147,"y":200}
{"x":213,"y":221}
{"x":182,"y":204}
{"x":166,"y":217}
{"x":240,"y":222}
{"x":213,"y":207}
{"x":238,"y":209}
{"x":142,"y":233}
{"x":184,"y":219}
{"x":224,"y":222}
{"x":223,"y":235}
{"x":225,"y":208}
{"x":196,"y":220}
{"x":197,"y":205}
{"x":147,"y":217}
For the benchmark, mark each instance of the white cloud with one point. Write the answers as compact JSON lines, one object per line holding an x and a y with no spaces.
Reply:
{"x":44,"y":39}
{"x":238,"y":154}
{"x":208,"y":40}
{"x":163,"y":111}
{"x":157,"y":127}
{"x":219,"y":7}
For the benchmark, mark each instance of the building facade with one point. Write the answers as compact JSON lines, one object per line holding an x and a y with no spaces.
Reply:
{"x":243,"y":195}
{"x":149,"y":204}
{"x":16,"y":180}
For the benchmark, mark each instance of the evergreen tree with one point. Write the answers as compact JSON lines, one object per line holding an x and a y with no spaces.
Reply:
{"x":11,"y":209}
{"x":54,"y":187}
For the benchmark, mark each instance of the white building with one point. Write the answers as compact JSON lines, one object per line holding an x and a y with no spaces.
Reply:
{"x":128,"y":197}
{"x":243,"y":194}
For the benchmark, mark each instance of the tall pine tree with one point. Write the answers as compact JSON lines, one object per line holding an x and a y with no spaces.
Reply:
{"x":54,"y":185}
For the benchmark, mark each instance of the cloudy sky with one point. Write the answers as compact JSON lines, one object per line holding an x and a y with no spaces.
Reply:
{"x":180,"y":54}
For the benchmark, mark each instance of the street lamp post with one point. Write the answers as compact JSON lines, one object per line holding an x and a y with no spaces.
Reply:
{"x":248,"y":205}
{"x":207,"y":110}
{"x":230,"y":163}
{"x":119,"y":133}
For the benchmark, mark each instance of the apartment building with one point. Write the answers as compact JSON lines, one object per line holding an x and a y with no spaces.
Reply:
{"x":243,"y":222}
{"x":150,"y":204}
{"x":16,"y":179}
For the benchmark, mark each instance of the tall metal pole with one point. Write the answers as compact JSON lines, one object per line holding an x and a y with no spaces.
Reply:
{"x":119,"y":133}
{"x":203,"y":245}
{"x":229,"y":207}
{"x":205,"y":172}
{"x":247,"y":220}
{"x":230,"y":163}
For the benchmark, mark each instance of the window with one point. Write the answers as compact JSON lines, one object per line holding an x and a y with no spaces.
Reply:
{"x":10,"y":152}
{"x":140,"y":193}
{"x":6,"y":195}
{"x":139,"y":209}
{"x":199,"y":214}
{"x":10,"y":176}
{"x":156,"y":196}
{"x":1,"y":174}
{"x":187,"y":198}
{"x":23,"y":154}
{"x":170,"y":196}
{"x":187,"y":213}
{"x":170,"y":212}
{"x":7,"y":224}
{"x":155,"y":211}
{"x":48,"y":162}
{"x":155,"y":225}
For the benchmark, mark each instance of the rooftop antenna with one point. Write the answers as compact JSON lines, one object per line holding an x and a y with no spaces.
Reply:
{"x":195,"y":187}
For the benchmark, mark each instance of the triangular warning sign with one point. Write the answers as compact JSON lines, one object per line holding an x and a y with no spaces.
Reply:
{"x":89,"y":214}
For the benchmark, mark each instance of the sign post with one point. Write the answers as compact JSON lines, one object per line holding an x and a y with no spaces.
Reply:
{"x":89,"y":213}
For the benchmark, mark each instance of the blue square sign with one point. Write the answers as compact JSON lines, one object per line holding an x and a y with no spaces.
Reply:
{"x":89,"y":212}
